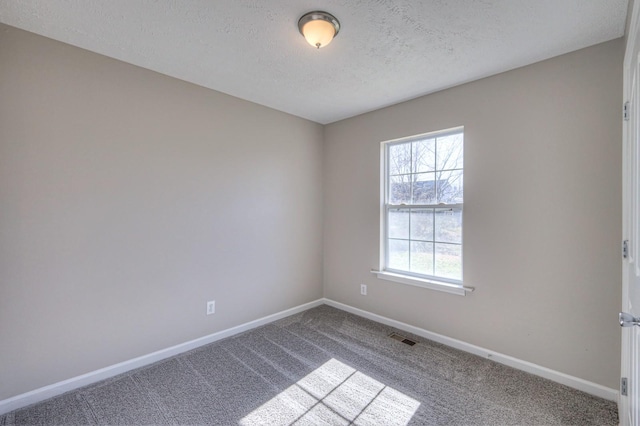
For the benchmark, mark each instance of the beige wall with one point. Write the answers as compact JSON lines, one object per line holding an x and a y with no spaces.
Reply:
{"x":542,"y":218}
{"x":128,"y":199}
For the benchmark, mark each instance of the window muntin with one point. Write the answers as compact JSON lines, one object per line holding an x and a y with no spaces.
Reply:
{"x":423,"y":199}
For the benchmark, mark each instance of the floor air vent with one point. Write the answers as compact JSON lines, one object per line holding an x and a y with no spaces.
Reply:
{"x":399,"y":338}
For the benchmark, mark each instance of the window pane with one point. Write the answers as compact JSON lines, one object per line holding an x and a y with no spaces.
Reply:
{"x":449,"y":152}
{"x":422,"y":258}
{"x":400,"y":159}
{"x":424,"y":156}
{"x":449,"y":187}
{"x":399,"y":224}
{"x":424,"y":188}
{"x":400,"y":189}
{"x":422,"y":224}
{"x":425,"y":170}
{"x":399,"y":254}
{"x":449,"y":226}
{"x":448,"y":261}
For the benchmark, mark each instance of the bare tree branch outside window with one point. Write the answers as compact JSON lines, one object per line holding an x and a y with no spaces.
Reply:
{"x":426,"y":171}
{"x":424,"y":176}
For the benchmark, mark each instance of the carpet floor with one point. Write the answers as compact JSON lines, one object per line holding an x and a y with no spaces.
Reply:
{"x":322,"y":366}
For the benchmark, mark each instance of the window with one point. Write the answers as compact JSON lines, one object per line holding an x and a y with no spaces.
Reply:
{"x":422,"y":207}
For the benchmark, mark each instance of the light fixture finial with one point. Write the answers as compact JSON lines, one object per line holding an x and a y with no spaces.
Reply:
{"x":318,"y":28}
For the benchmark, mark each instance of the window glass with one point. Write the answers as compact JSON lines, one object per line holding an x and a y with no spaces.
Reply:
{"x":423,"y":206}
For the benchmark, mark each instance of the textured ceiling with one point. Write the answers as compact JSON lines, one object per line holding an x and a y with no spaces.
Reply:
{"x":387,"y":51}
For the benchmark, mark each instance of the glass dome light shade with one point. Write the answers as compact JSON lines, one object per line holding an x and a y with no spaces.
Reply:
{"x":318,"y":28}
{"x":318,"y":33}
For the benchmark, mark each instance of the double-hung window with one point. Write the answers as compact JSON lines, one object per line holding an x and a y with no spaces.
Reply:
{"x":422,"y":207}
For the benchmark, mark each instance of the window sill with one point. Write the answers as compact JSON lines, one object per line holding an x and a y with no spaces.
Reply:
{"x":458,"y":289}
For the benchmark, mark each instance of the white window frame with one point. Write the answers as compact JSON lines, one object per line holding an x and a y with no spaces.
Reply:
{"x":406,"y":277}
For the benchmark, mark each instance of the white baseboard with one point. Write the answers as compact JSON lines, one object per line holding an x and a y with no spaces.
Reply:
{"x":73,"y":383}
{"x":547,"y":373}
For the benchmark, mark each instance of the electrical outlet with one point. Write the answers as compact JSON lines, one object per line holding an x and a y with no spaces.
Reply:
{"x":211,"y":307}
{"x":363,"y":289}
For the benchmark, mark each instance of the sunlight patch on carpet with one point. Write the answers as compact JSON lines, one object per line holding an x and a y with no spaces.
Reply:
{"x":335,"y":393}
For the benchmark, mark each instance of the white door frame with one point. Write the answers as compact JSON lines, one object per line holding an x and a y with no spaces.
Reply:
{"x":629,"y":405}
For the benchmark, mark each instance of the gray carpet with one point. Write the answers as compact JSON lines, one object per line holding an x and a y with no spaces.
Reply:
{"x":323,"y":366}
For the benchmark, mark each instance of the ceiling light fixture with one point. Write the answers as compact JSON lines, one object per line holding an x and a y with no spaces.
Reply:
{"x":318,"y":28}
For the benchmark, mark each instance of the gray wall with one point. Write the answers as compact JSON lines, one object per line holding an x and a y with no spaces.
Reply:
{"x":542,"y":218}
{"x":128,"y":199}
